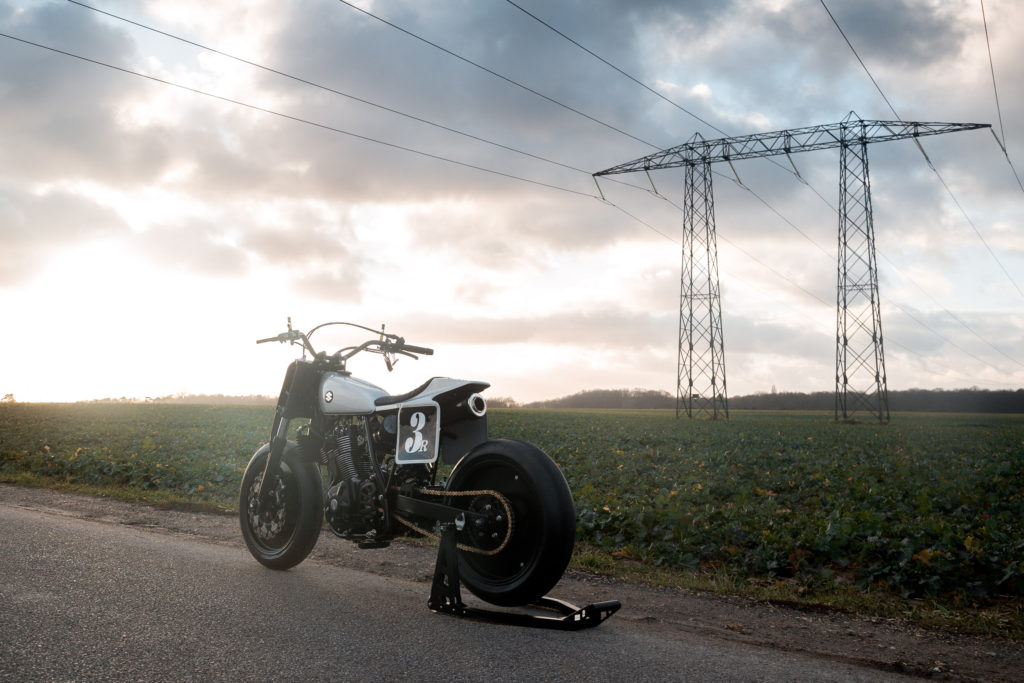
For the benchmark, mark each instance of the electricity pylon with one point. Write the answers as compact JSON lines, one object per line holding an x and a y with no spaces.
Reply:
{"x":700,"y":377}
{"x":860,"y":357}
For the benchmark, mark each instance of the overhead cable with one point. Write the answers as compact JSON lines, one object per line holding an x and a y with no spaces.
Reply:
{"x":945,"y":339}
{"x":863,"y":65}
{"x":1001,"y":138}
{"x":951,"y":314}
{"x":334,"y":91}
{"x":332,"y":128}
{"x":627,"y":75}
{"x":648,"y":88}
{"x":923,"y":153}
{"x":496,"y":74}
{"x":297,"y":118}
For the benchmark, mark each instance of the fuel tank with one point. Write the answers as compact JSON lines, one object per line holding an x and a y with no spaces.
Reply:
{"x":346,"y":395}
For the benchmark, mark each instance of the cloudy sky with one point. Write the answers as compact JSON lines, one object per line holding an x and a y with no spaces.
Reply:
{"x":170,"y":194}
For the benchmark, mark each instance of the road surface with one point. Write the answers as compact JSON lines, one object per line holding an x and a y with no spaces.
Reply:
{"x":86,"y":598}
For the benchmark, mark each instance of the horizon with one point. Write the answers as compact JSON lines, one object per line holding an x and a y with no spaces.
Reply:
{"x":271,"y":398}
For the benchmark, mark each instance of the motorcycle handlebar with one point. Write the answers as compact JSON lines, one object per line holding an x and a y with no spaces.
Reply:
{"x":388,"y":343}
{"x":422,"y":350}
{"x":290,"y":335}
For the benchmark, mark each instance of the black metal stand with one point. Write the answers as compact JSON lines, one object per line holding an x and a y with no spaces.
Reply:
{"x":446,"y":597}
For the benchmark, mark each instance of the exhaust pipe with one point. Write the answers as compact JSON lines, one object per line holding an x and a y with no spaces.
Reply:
{"x":477,"y":405}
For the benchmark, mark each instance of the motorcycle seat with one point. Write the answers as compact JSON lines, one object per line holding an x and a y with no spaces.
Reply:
{"x":401,"y":398}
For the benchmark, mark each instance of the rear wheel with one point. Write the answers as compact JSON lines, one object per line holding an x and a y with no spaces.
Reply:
{"x":530,"y":562}
{"x":285,"y":533}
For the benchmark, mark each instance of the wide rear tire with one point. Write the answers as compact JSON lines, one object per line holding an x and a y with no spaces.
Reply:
{"x":285,"y":534}
{"x":543,"y":522}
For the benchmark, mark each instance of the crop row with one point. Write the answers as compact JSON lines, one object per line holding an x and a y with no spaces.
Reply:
{"x":926,"y":506}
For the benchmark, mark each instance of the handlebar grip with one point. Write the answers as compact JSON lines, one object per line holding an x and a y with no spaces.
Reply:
{"x":422,"y":350}
{"x":268,"y":339}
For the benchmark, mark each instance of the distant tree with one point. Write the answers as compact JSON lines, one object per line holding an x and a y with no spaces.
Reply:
{"x":8,"y":398}
{"x":501,"y":402}
{"x":972,"y":400}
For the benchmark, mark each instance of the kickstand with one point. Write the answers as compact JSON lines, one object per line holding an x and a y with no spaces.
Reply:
{"x":446,"y":597}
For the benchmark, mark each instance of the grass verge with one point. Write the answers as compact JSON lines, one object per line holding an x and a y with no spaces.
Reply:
{"x":1003,"y":618}
{"x":998,"y":618}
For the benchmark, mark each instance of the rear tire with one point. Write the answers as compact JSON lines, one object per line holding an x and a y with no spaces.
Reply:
{"x":285,"y":534}
{"x":543,"y":519}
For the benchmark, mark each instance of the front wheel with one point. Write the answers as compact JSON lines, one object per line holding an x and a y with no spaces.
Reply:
{"x":530,"y":561}
{"x":285,"y":533}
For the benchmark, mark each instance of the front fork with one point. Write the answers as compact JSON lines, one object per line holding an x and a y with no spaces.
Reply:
{"x":277,"y":444}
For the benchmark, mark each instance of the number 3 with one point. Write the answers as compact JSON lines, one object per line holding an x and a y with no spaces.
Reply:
{"x":416,"y":442}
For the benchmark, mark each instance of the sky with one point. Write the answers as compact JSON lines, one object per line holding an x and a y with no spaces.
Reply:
{"x":171,"y":194}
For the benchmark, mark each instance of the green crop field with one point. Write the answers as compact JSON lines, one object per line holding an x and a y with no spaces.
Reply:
{"x":930,"y":506}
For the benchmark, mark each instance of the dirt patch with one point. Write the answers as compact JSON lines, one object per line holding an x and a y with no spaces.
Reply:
{"x":886,"y":644}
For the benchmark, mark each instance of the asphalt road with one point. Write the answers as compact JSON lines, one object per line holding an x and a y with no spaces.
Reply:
{"x":84,"y":600}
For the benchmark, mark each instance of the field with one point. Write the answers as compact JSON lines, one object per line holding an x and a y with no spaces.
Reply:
{"x":928,"y":507}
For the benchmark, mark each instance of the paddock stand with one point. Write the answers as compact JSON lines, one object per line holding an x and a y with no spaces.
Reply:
{"x":446,"y":597}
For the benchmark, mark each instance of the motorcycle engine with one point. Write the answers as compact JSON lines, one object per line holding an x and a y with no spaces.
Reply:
{"x":352,"y":497}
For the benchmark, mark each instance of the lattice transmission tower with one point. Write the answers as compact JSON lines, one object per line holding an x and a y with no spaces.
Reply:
{"x":860,"y":378}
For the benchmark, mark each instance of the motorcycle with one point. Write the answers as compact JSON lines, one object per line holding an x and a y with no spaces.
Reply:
{"x":371,"y":465}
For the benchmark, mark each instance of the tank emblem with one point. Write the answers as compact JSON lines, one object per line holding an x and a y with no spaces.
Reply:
{"x":329,"y":396}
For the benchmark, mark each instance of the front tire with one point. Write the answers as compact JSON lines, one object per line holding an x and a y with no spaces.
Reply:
{"x":285,"y":534}
{"x":543,"y":522}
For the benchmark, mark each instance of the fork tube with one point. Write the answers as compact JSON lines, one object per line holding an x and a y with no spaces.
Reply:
{"x":277,"y":444}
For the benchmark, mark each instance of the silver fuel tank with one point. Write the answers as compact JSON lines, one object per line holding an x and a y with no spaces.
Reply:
{"x":346,"y":395}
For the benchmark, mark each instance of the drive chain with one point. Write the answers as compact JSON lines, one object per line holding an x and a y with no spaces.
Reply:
{"x":462,"y":546}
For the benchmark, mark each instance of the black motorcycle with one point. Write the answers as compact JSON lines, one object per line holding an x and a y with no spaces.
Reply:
{"x":344,"y":449}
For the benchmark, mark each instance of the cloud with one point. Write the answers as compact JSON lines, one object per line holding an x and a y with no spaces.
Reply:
{"x":322,"y":197}
{"x":32,"y":225}
{"x":608,"y":329}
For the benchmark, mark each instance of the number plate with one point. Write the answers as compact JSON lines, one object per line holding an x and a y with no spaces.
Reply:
{"x":419,"y":427}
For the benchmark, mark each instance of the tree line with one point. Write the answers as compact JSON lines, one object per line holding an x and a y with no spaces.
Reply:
{"x":972,"y":400}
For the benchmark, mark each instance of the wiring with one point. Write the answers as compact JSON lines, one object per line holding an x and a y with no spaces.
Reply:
{"x":923,"y":153}
{"x":298,"y":119}
{"x":338,"y":130}
{"x":1001,"y":138}
{"x":354,"y":98}
{"x":370,"y":103}
{"x":629,"y":76}
{"x":518,"y":151}
{"x":496,"y":74}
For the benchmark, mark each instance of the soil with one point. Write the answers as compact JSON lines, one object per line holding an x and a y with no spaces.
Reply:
{"x":886,"y":644}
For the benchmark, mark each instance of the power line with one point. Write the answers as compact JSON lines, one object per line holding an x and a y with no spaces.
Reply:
{"x":969,"y":221}
{"x":923,"y":153}
{"x":395,"y":146}
{"x":332,"y":128}
{"x":496,"y":74}
{"x":334,"y":91}
{"x":648,"y":88}
{"x":605,"y":61}
{"x":948,"y":190}
{"x":951,"y":314}
{"x":298,"y":119}
{"x":760,"y":199}
{"x":750,"y":190}
{"x":355,"y":98}
{"x":744,"y":251}
{"x":948,"y":341}
{"x":889,"y":340}
{"x":992,"y":69}
{"x":782,"y":276}
{"x":1001,"y":138}
{"x":812,"y":295}
{"x":863,"y":65}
